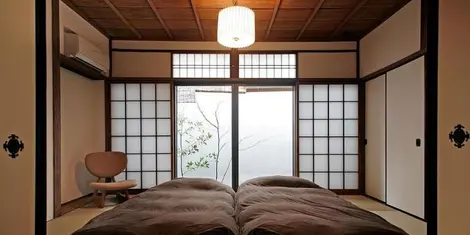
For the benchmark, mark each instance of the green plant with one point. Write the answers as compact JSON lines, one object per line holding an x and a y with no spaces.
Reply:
{"x":192,"y":136}
{"x":220,"y":136}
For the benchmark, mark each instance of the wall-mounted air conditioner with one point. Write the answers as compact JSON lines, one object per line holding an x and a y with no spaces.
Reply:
{"x":83,"y":50}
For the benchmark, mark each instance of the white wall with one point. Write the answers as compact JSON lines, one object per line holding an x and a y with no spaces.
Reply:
{"x":453,"y":95}
{"x":393,"y":40}
{"x":375,"y":135}
{"x":327,"y":65}
{"x":17,"y":93}
{"x":82,"y":126}
{"x":82,"y":111}
{"x":141,"y":64}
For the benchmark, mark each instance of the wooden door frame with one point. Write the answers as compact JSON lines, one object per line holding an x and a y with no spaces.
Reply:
{"x":430,"y":37}
{"x":56,"y":110}
{"x":40,"y":226}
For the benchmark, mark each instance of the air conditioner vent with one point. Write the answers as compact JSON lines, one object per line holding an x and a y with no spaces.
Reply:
{"x":83,"y":50}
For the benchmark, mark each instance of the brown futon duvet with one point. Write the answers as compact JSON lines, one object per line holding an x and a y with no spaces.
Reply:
{"x":294,"y":206}
{"x":177,"y":207}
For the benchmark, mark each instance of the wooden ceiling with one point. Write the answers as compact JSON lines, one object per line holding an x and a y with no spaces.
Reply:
{"x":196,"y":20}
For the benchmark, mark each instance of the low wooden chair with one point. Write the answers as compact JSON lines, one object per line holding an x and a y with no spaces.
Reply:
{"x":105,"y":166}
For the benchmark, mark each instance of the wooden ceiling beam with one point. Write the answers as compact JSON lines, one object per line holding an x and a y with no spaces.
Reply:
{"x":118,"y":13}
{"x":314,"y":13}
{"x":198,"y":20}
{"x":273,"y":18}
{"x":347,"y":18}
{"x":162,"y":22}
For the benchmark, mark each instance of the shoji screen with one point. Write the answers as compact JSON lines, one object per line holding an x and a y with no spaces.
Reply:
{"x":193,"y":65}
{"x":267,"y":66}
{"x":141,"y":128}
{"x":328,"y":135}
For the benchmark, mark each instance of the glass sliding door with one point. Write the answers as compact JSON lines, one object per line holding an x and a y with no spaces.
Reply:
{"x":203,"y":132}
{"x":265,"y":131}
{"x":328,"y":135}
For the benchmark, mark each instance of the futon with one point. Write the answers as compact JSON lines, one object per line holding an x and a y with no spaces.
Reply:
{"x":293,"y":206}
{"x":177,"y":207}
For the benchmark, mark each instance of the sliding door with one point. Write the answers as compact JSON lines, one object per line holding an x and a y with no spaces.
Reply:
{"x":328,"y":135}
{"x":405,"y":136}
{"x":203,"y":132}
{"x":375,"y":135}
{"x":265,"y":131}
{"x":141,"y":128}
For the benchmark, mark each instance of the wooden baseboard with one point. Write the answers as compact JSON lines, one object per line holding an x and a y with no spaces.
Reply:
{"x":75,"y":204}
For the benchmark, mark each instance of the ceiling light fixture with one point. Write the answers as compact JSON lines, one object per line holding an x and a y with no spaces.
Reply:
{"x":236,"y":27}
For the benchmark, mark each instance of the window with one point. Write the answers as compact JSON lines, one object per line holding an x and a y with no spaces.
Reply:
{"x":203,"y":131}
{"x":204,"y":118}
{"x":267,"y":66}
{"x":201,"y":65}
{"x":141,"y":128}
{"x":328,"y":135}
{"x":265,"y":131}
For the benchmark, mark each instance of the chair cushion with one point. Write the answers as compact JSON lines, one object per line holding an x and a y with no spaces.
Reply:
{"x":121,"y":185}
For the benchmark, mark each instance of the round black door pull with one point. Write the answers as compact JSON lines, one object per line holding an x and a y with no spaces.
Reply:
{"x":13,"y":146}
{"x":459,"y":136}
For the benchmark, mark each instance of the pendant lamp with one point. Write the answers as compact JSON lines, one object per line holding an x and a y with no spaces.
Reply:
{"x":236,"y":27}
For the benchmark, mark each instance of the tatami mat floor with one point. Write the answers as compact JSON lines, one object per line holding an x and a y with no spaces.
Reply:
{"x":411,"y":225}
{"x":74,"y":220}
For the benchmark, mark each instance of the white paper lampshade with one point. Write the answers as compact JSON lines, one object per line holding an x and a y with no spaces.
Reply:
{"x":236,"y":27}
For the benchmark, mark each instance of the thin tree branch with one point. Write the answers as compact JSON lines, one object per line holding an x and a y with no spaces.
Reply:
{"x":204,"y":115}
{"x":223,"y":146}
{"x":216,"y":113}
{"x":218,"y":153}
{"x":226,"y":169}
{"x":244,"y":138}
{"x":252,"y":146}
{"x":224,"y":134}
{"x":181,"y":148}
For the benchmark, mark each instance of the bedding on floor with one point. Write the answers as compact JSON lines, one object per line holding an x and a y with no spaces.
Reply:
{"x":180,"y":206}
{"x":293,"y":206}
